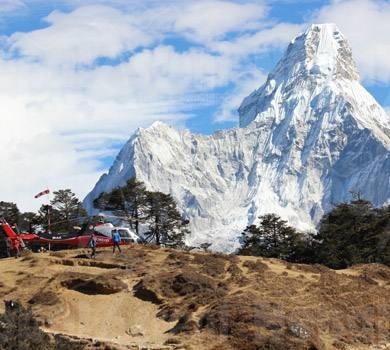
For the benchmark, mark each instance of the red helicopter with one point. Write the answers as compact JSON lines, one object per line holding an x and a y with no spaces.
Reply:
{"x":14,"y":240}
{"x":34,"y":241}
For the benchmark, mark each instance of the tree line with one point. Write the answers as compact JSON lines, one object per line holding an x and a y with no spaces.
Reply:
{"x":65,"y":211}
{"x":351,"y":233}
{"x":152,"y":212}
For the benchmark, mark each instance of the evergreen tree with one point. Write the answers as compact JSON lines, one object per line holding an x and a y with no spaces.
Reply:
{"x":381,"y":240}
{"x":28,"y":220}
{"x":353,"y":233}
{"x":44,"y":214}
{"x":156,"y":210}
{"x":251,"y":241}
{"x":66,"y":210}
{"x":128,"y":202}
{"x":273,"y":238}
{"x":10,"y":212}
{"x":164,"y":221}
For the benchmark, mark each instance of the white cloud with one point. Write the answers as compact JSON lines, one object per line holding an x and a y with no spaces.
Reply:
{"x":366,"y":24}
{"x":11,"y":5}
{"x":123,"y":4}
{"x":167,"y":71}
{"x":276,"y":36}
{"x":94,"y":31}
{"x":81,"y":36}
{"x":208,"y":20}
{"x":40,"y":160}
{"x":59,"y":120}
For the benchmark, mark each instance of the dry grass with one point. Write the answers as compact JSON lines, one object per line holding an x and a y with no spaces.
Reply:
{"x":210,"y":264}
{"x":46,"y":298}
{"x":215,"y":301}
{"x":255,"y":266}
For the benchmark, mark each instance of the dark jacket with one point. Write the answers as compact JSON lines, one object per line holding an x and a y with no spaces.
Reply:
{"x":92,"y":242}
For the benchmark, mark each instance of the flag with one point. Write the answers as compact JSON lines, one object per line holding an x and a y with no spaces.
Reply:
{"x":47,"y":191}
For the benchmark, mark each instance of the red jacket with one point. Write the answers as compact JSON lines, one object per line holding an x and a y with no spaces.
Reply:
{"x":17,"y":243}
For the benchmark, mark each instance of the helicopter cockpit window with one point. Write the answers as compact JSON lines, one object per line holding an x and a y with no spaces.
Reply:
{"x":124,"y":233}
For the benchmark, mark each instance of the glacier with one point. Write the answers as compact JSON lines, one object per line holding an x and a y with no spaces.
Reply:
{"x":306,"y":138}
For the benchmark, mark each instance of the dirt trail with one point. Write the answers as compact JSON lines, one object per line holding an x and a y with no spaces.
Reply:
{"x":131,"y":320}
{"x":120,"y":317}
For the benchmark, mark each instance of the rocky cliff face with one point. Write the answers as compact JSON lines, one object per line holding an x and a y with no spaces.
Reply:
{"x":307,"y":137}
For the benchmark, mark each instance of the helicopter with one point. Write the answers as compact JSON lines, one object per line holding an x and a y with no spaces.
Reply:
{"x":78,"y":238}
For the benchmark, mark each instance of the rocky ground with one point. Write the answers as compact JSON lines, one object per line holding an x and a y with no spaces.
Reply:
{"x":150,"y":298}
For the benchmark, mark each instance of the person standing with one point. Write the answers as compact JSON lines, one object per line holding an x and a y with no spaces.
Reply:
{"x":92,"y":244}
{"x":17,"y":247}
{"x":8,"y":244}
{"x":116,"y":240}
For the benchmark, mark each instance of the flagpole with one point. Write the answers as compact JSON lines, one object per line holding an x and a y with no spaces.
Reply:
{"x":48,"y":214}
{"x":48,"y":210}
{"x":48,"y":219}
{"x":47,"y":207}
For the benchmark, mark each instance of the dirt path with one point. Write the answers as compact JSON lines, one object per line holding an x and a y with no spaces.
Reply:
{"x":120,"y":318}
{"x":100,"y":316}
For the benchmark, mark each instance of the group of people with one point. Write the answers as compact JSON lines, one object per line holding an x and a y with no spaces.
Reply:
{"x":116,"y":240}
{"x":14,"y":246}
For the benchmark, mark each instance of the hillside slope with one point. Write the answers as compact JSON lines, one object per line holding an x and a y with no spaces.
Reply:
{"x":149,"y":298}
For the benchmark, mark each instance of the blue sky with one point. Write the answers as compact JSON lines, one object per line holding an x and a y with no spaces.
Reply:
{"x":79,"y":76}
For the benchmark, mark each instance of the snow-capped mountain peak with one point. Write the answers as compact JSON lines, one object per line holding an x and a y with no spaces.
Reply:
{"x":317,"y":72}
{"x":307,"y":137}
{"x":321,"y":52}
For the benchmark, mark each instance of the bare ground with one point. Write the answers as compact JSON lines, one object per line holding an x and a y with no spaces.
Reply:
{"x":149,"y":298}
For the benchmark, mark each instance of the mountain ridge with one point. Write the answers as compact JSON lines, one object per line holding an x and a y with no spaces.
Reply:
{"x":307,"y":137}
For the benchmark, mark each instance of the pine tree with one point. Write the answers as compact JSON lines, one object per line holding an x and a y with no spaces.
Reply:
{"x":28,"y":220}
{"x":156,"y":210}
{"x":10,"y":212}
{"x":353,"y":233}
{"x":45,"y":215}
{"x":251,"y":241}
{"x":381,"y":238}
{"x":128,"y":202}
{"x":164,"y":221}
{"x":66,"y":210}
{"x":272,"y":238}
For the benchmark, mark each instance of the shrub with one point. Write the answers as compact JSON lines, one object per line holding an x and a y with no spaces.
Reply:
{"x":20,"y":331}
